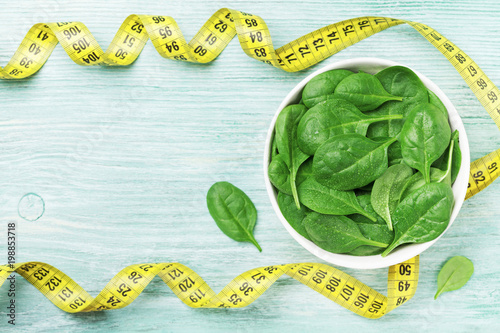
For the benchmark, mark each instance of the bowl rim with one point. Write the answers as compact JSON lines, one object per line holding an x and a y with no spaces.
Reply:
{"x":371,"y":65}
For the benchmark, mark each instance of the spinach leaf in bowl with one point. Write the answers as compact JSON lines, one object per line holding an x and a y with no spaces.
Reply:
{"x":321,"y":87}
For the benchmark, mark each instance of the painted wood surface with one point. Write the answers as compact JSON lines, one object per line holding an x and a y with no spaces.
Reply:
{"x":123,"y":158}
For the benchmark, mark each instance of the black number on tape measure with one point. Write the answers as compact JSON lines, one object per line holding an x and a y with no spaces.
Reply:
{"x":15,"y":72}
{"x":34,"y":48}
{"x":318,"y":43}
{"x":405,"y":270}
{"x":472,"y":70}
{"x":448,"y":47}
{"x":71,"y":32}
{"x":180,"y":57}
{"x":256,"y":37}
{"x":460,"y":58}
{"x":211,"y":39}
{"x":375,"y":306}
{"x":53,"y":283}
{"x":258,"y":278}
{"x":290,"y":58}
{"x":401,"y":300}
{"x":492,"y":167}
{"x":361,"y":300}
{"x":186,"y":284}
{"x":121,"y":54}
{"x":435,"y":36}
{"x":245,"y":287}
{"x":333,"y":283}
{"x":158,"y":19}
{"x":379,"y":21}
{"x":42,"y":35}
{"x":145,"y":267}
{"x":319,"y":276}
{"x":77,"y":303}
{"x":347,"y":292}
{"x":137,"y":26}
{"x":62,"y":24}
{"x":27,"y":267}
{"x":333,"y":36}
{"x":270,"y":269}
{"x":492,"y":96}
{"x":81,"y":45}
{"x":479,"y":177}
{"x":304,"y":50}
{"x":135,"y":277}
{"x":65,"y":293}
{"x":363,"y":24}
{"x":260,"y":52}
{"x":403,"y":285}
{"x":229,"y":17}
{"x":91,"y":57}
{"x":129,"y":41}
{"x":25,"y":62}
{"x":176,"y":273}
{"x":197,"y":296}
{"x":305,"y":269}
{"x":482,"y":84}
{"x":348,"y":29}
{"x":200,"y":50}
{"x":172,"y":47}
{"x":235,"y":299}
{"x":113,"y":301}
{"x":41,"y":273}
{"x":165,"y":32}
{"x":123,"y":289}
{"x":221,"y":26}
{"x":251,"y":23}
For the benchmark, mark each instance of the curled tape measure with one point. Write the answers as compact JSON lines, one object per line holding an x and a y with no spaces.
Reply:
{"x":209,"y":42}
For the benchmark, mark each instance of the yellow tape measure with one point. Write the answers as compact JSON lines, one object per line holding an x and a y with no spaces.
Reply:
{"x":209,"y":42}
{"x":124,"y":288}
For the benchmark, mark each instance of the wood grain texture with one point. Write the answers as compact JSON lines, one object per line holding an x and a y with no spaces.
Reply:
{"x":123,"y":158}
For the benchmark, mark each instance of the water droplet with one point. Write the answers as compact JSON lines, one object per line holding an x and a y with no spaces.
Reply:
{"x":31,"y":207}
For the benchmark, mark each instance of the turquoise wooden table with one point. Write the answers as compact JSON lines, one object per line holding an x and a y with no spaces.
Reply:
{"x":123,"y":157}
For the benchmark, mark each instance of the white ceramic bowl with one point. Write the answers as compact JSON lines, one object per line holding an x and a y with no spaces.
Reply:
{"x":402,"y":253}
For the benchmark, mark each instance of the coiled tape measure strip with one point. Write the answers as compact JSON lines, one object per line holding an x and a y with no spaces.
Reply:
{"x":209,"y":42}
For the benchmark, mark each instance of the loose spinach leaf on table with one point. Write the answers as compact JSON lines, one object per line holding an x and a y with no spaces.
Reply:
{"x":321,"y":87}
{"x":399,"y":81}
{"x":294,"y":216}
{"x":422,"y":216}
{"x":286,"y":140}
{"x":363,"y":90}
{"x":454,"y":274}
{"x":387,"y":191}
{"x":350,"y":161}
{"x":325,"y":200}
{"x":279,"y":175}
{"x":233,"y":211}
{"x":424,"y":137}
{"x":337,"y":234}
{"x":330,"y":118}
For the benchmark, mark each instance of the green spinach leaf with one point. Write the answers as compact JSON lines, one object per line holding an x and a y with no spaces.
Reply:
{"x":422,"y":216}
{"x":434,"y":100}
{"x":363,"y":90}
{"x":294,"y":216}
{"x":279,"y":175}
{"x":454,"y":274}
{"x":286,"y":140}
{"x":321,"y":87}
{"x":417,"y":181}
{"x":424,"y":137}
{"x":330,"y":118}
{"x":325,"y":200}
{"x":442,"y":162}
{"x":387,"y":191}
{"x":350,"y":161}
{"x":337,"y":234}
{"x":233,"y":211}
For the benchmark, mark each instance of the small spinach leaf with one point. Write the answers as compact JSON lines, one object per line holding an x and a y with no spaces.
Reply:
{"x":337,"y":234}
{"x":233,"y":211}
{"x":350,"y":161}
{"x":363,"y":90}
{"x":422,"y":216}
{"x":454,"y":274}
{"x":325,"y":200}
{"x":321,"y":87}
{"x":442,"y":162}
{"x":330,"y":118}
{"x":279,"y":174}
{"x":424,"y":137}
{"x":286,"y":140}
{"x":294,"y":216}
{"x":387,"y":191}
